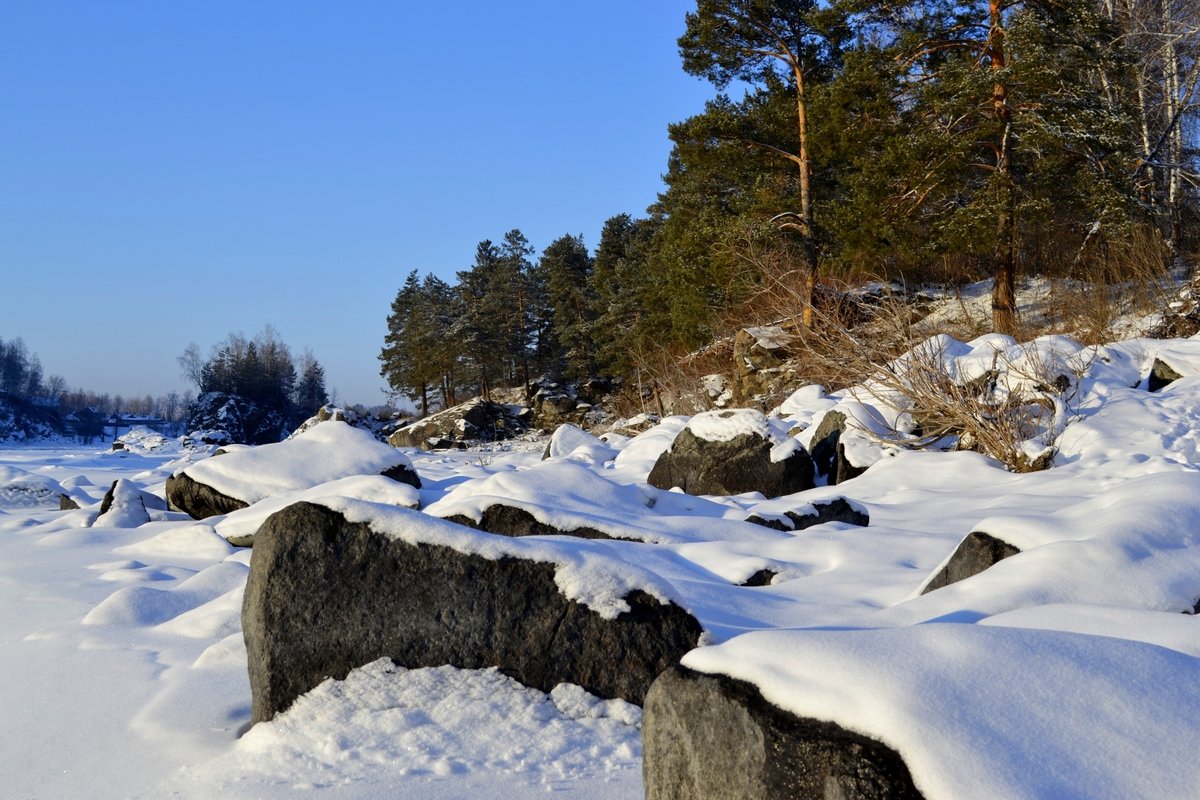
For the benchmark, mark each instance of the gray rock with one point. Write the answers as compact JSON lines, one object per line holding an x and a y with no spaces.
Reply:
{"x":742,"y":464}
{"x":475,"y":419}
{"x":974,"y":554}
{"x":834,"y":509}
{"x":67,"y":503}
{"x":505,"y":520}
{"x":325,"y":595}
{"x":1161,"y":374}
{"x":197,"y":499}
{"x":711,"y":737}
{"x":828,"y":453}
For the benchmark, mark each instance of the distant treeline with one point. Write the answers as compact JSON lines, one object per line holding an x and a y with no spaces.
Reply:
{"x":941,"y":139}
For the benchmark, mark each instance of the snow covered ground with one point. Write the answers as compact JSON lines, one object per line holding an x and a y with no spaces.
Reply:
{"x":1067,"y":670}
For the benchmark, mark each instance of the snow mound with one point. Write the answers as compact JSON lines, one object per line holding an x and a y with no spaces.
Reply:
{"x":493,"y":736}
{"x":21,"y":489}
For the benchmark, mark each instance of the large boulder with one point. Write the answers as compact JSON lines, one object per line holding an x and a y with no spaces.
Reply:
{"x":731,"y":452}
{"x":324,"y":453}
{"x":975,"y":553}
{"x":326,"y":594}
{"x":477,"y":420}
{"x":711,"y":737}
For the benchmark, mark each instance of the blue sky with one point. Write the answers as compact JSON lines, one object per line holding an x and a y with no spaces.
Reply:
{"x":174,"y":171}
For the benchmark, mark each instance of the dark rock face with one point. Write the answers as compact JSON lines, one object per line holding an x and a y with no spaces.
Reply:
{"x":1161,"y":374}
{"x":476,"y":419}
{"x":743,"y":464}
{"x":828,"y":453}
{"x":403,"y":473}
{"x":835,"y":509}
{"x":511,"y":521}
{"x":240,"y":420}
{"x":325,"y":596}
{"x":197,"y":499}
{"x":710,"y":737}
{"x":67,"y":503}
{"x":974,"y":554}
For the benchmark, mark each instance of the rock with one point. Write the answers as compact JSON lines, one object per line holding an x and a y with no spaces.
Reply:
{"x":475,"y":419}
{"x":711,"y":737}
{"x":764,"y":577}
{"x":504,"y":520}
{"x":833,"y":509}
{"x":331,"y":413}
{"x":761,"y":362}
{"x":122,"y":507}
{"x":326,"y":595}
{"x":712,"y":456}
{"x":1161,"y":374}
{"x":197,"y":499}
{"x":240,"y":420}
{"x":244,"y":476}
{"x":974,"y":554}
{"x":151,"y":502}
{"x":828,"y":452}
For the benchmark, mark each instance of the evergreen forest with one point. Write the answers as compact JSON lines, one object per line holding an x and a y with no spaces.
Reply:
{"x":939,"y":141}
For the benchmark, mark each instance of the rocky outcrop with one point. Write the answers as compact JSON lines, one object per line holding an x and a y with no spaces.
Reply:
{"x":199,"y":500}
{"x":828,"y":451}
{"x":834,"y":509}
{"x":761,"y":365}
{"x":974,"y":554}
{"x":746,"y":462}
{"x":476,"y":420}
{"x":218,"y":418}
{"x":711,"y":737}
{"x":326,"y":595}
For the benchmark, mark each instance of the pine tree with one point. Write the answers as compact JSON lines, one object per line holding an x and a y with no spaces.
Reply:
{"x":567,"y":268}
{"x":310,"y":389}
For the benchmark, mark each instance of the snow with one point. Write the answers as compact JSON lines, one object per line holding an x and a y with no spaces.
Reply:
{"x":725,"y":426}
{"x":321,"y":454}
{"x":986,"y":711}
{"x":1067,"y":670}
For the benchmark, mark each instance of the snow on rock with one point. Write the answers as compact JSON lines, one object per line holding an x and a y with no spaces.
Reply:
{"x":587,"y":572}
{"x":321,"y":454}
{"x":725,"y":426}
{"x":240,"y":526}
{"x":980,"y":711}
{"x":569,"y":441}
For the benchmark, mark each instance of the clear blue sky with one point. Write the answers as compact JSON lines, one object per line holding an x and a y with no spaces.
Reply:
{"x":174,"y":171}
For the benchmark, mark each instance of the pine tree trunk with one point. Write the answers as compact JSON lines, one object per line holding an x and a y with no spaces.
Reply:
{"x":806,"y":226}
{"x":1004,"y":301}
